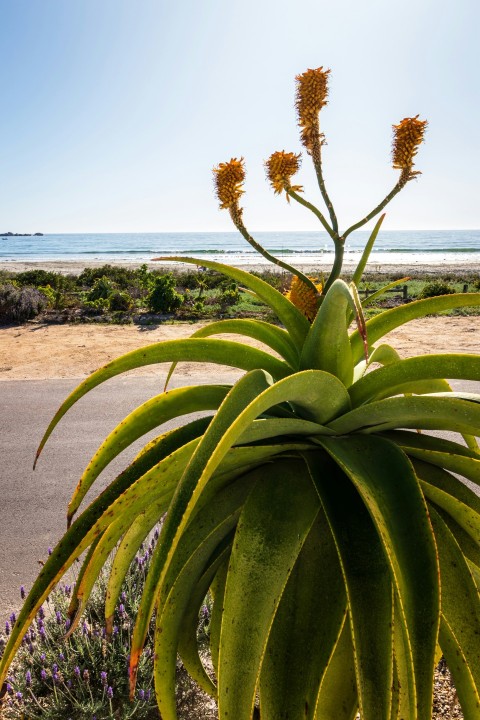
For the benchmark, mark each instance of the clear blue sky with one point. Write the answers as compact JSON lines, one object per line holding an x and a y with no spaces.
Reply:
{"x":113,"y":112}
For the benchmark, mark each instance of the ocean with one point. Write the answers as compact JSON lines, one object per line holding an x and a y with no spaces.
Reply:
{"x":415,"y":247}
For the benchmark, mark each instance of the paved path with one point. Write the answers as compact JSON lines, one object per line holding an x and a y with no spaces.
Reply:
{"x":33,"y":504}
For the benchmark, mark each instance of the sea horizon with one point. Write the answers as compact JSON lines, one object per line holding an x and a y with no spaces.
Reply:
{"x":393,"y":247}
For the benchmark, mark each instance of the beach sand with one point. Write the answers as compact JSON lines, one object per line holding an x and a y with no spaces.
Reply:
{"x":36,"y":351}
{"x":72,"y":267}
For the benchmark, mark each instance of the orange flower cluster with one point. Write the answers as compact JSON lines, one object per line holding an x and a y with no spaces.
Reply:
{"x":312,"y":91}
{"x":228,"y":179}
{"x":303,"y":297}
{"x":280,"y":167}
{"x":407,"y":136}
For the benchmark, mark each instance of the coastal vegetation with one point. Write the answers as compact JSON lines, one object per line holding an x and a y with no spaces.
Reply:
{"x":116,"y":294}
{"x":306,"y":502}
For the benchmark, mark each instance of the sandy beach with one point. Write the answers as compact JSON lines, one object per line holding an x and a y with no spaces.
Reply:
{"x":72,"y":267}
{"x":37,"y":351}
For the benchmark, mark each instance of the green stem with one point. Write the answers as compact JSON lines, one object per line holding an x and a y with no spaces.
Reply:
{"x":317,"y":163}
{"x":399,"y":186}
{"x":337,"y":264}
{"x":271,"y":258}
{"x":291,"y":193}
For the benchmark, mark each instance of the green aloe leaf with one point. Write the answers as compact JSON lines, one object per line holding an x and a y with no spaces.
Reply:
{"x":429,"y":412}
{"x":222,"y":352}
{"x":274,"y":337}
{"x":463,"y":515}
{"x":390,"y":490}
{"x":273,"y":526}
{"x":460,"y":610}
{"x":151,"y":414}
{"x":378,"y":293}
{"x":388,"y":320}
{"x":404,"y":375}
{"x":217,"y":589}
{"x":295,"y":322}
{"x":310,"y":615}
{"x":337,"y":698}
{"x":327,"y":346}
{"x":357,"y":275}
{"x":369,"y":588}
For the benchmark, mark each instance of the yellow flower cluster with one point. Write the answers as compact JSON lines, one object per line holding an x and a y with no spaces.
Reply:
{"x":228,"y":180}
{"x":280,"y":167}
{"x":303,"y":297}
{"x":407,"y":136}
{"x":312,"y":91}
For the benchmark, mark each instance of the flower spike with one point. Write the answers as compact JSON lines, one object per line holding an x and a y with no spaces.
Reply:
{"x":280,"y":167}
{"x":228,"y":179}
{"x":407,"y":137}
{"x":312,"y":92}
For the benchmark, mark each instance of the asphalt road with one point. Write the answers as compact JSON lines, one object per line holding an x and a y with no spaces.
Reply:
{"x":33,"y":504}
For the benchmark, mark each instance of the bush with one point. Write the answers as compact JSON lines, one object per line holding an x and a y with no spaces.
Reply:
{"x":101,"y":290}
{"x":20,"y":304}
{"x":38,"y":277}
{"x":164,"y":298}
{"x":437,"y":287}
{"x":54,"y":679}
{"x":120,"y":276}
{"x":120,"y":301}
{"x":230,"y":296}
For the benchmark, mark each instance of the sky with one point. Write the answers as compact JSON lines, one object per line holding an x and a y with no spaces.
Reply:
{"x":115,"y":111}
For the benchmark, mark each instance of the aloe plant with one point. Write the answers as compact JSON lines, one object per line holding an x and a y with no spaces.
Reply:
{"x":341,"y":547}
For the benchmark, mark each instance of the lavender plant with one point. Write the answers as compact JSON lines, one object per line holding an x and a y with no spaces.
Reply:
{"x":82,"y":676}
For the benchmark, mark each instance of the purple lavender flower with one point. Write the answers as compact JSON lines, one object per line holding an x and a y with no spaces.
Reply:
{"x":19,"y":696}
{"x":76,"y":671}
{"x":41,"y":612}
{"x":7,"y":628}
{"x":85,"y":628}
{"x":28,"y":678}
{"x":55,"y":678}
{"x":121,"y":610}
{"x":54,"y":668}
{"x":58,"y":617}
{"x":68,"y":590}
{"x":43,"y":657}
{"x":22,"y":592}
{"x":103,"y":677}
{"x":50,"y":551}
{"x":69,"y":683}
{"x":68,"y":622}
{"x":115,"y":630}
{"x":13,"y":618}
{"x":9,"y":688}
{"x":123,"y":596}
{"x":156,"y":534}
{"x":40,"y":623}
{"x":33,"y":634}
{"x":43,"y":634}
{"x":31,"y":649}
{"x":110,"y":692}
{"x":141,"y":694}
{"x":147,"y":695}
{"x":61,"y":657}
{"x":43,"y":674}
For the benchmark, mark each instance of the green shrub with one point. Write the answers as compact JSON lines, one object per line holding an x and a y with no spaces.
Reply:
{"x":164,"y":298}
{"x":120,"y":276}
{"x":437,"y":287}
{"x":102,"y":289}
{"x":38,"y":277}
{"x":20,"y":304}
{"x":230,"y":296}
{"x":120,"y":301}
